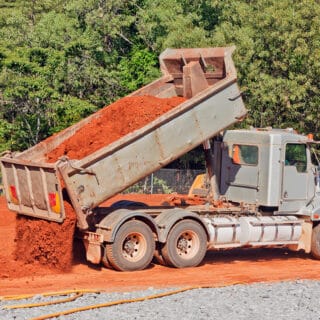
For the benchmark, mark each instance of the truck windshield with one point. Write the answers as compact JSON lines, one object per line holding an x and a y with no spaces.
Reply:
{"x":296,"y":155}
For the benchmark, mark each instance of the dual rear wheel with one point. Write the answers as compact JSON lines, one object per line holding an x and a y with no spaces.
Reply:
{"x":134,"y":246}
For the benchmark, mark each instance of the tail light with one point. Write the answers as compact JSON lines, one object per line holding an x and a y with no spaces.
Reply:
{"x":13,"y":195}
{"x":54,"y":201}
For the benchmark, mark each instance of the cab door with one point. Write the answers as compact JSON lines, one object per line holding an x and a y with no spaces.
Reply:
{"x":296,"y":178}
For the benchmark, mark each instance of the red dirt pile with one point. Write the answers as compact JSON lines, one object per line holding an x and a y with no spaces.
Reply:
{"x":113,"y":122}
{"x":45,"y":242}
{"x":9,"y":266}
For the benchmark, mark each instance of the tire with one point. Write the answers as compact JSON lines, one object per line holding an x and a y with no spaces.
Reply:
{"x":104,"y":258}
{"x":315,"y":242}
{"x":132,"y":248}
{"x":186,"y":245}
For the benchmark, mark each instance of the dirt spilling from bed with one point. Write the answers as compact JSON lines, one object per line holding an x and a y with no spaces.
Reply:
{"x":46,"y":242}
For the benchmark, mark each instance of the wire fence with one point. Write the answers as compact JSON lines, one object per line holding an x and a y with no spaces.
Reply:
{"x":162,"y":181}
{"x":165,"y":181}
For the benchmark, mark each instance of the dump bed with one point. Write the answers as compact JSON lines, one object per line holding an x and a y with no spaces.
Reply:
{"x":205,"y":77}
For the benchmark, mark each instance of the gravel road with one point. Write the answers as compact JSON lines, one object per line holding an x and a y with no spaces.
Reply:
{"x":294,"y":300}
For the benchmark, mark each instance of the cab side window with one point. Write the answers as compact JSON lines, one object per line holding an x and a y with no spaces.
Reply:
{"x":245,"y":154}
{"x":296,"y":155}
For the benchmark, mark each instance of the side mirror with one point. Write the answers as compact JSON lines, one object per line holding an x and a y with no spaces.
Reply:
{"x":236,"y":154}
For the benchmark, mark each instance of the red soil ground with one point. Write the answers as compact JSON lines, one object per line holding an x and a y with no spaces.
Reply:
{"x":218,"y":268}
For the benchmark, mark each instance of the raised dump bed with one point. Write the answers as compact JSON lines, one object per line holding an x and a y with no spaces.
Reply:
{"x":205,"y":78}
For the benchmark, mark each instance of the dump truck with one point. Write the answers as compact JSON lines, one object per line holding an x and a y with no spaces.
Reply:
{"x":260,"y":187}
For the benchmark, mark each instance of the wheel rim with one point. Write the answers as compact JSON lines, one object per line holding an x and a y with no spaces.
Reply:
{"x":188,"y":244}
{"x":134,"y":247}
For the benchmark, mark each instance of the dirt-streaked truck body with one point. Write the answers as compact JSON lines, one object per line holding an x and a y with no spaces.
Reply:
{"x":250,"y":202}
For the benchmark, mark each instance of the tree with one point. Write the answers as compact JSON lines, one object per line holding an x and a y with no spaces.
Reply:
{"x":161,"y":25}
{"x":277,"y":59}
{"x":61,"y":60}
{"x":138,"y":68}
{"x":58,"y":62}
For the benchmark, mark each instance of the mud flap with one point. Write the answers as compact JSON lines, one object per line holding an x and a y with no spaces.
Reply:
{"x":92,"y":242}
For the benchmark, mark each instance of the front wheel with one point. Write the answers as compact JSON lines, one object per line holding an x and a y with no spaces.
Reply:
{"x":315,"y":242}
{"x":133,"y":247}
{"x":186,"y":244}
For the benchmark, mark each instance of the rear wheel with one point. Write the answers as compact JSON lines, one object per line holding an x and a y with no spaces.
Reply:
{"x":315,"y":242}
{"x":186,"y":244}
{"x":133,"y":247}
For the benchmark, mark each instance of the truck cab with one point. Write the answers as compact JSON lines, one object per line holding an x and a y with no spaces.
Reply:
{"x":268,"y":168}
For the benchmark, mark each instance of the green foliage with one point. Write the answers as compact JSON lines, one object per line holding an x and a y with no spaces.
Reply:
{"x":161,"y":25}
{"x":277,"y":59}
{"x":151,"y":184}
{"x":67,"y":112}
{"x":56,"y":64}
{"x":138,"y":68}
{"x":62,"y":60}
{"x":161,"y":186}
